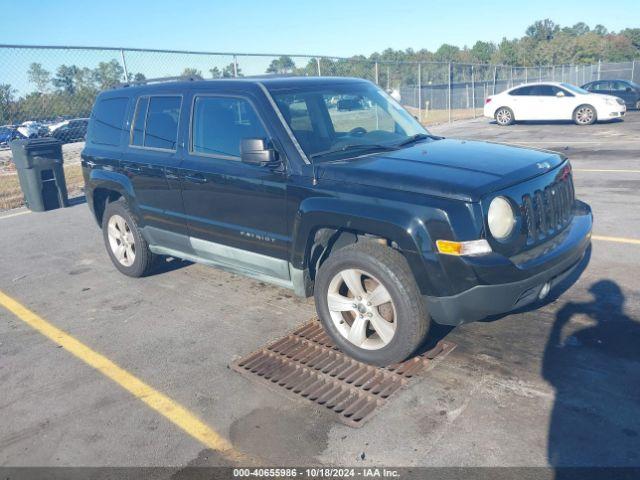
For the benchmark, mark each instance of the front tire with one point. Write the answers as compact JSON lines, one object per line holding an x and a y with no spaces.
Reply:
{"x":584,"y":115}
{"x":370,"y":305}
{"x":125,"y":244}
{"x":504,"y":116}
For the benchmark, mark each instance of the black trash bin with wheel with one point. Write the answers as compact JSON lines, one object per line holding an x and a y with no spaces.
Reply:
{"x":40,"y":171}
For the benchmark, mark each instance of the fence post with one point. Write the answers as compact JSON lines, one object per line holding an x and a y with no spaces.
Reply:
{"x":420,"y":92}
{"x":124,"y":66}
{"x":633,"y":69}
{"x":526,"y":74}
{"x":540,"y":73}
{"x":235,"y":66}
{"x":377,"y":81}
{"x":449,"y":90}
{"x":388,"y":78}
{"x":473,"y":91}
{"x":599,"y":68}
{"x":495,"y":77}
{"x":511,"y":77}
{"x":318,"y":64}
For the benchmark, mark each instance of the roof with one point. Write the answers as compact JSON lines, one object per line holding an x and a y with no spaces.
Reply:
{"x":272,"y":82}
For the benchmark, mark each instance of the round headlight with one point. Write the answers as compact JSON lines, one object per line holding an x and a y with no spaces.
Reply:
{"x":501,"y":218}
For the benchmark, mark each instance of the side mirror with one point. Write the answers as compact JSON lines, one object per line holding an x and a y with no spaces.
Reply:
{"x":560,"y":94}
{"x":256,"y":151}
{"x":628,"y":89}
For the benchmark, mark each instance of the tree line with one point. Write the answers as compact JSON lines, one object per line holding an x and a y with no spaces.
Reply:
{"x":71,"y":90}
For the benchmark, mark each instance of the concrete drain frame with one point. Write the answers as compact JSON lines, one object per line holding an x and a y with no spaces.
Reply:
{"x":306,"y":364}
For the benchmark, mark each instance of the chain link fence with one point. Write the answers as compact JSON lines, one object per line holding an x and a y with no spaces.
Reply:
{"x":49,"y":91}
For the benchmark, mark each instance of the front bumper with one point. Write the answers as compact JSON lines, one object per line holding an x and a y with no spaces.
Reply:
{"x":556,"y":262}
{"x":612,"y":112}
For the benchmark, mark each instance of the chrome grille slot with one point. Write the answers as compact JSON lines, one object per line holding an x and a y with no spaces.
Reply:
{"x":546,"y":211}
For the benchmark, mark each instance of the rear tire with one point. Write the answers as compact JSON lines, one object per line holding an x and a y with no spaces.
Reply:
{"x":504,"y":116}
{"x":584,"y":115}
{"x":377,"y":314}
{"x":638,"y":105}
{"x":125,"y":244}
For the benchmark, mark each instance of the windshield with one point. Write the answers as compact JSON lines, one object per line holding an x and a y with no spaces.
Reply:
{"x":345,"y":120}
{"x":575,"y":89}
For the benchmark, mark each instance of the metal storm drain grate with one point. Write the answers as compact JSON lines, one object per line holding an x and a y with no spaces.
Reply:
{"x":307,"y":364}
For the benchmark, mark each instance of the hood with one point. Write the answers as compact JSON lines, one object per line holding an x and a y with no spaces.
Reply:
{"x":458,"y":169}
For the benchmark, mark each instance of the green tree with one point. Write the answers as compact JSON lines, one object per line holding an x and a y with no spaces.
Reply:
{"x":633,"y":34}
{"x":281,"y":65}
{"x":481,"y":52}
{"x":447,"y":53}
{"x":600,"y":30}
{"x":215,"y":72}
{"x":191,"y":72}
{"x":227,"y":72}
{"x":39,"y":76}
{"x":7,"y":103}
{"x":108,"y":74}
{"x":65,"y":78}
{"x":542,"y":30}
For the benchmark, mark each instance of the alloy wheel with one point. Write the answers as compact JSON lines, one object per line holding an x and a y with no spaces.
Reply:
{"x":121,"y":240}
{"x":503,"y":116}
{"x":361,"y":309}
{"x":584,"y":115}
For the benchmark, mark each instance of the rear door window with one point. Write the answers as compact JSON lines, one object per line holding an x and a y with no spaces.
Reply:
{"x":220,"y":123}
{"x":155,"y":122}
{"x":108,"y":120}
{"x":619,"y":87}
{"x":542,"y":91}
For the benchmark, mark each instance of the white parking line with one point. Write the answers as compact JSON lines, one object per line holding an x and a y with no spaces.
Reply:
{"x":11,"y":215}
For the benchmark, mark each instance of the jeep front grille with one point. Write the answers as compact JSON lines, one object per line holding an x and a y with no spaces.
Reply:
{"x":547,"y":211}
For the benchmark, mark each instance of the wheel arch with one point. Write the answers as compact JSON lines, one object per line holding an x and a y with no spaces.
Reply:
{"x":108,"y":187}
{"x":325,"y":225}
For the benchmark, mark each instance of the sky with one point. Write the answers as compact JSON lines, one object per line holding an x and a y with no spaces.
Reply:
{"x":321,"y":27}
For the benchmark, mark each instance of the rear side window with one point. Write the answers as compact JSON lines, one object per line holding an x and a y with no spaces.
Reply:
{"x":220,"y":123}
{"x":155,"y":122}
{"x":522,"y":91}
{"x":108,"y":120}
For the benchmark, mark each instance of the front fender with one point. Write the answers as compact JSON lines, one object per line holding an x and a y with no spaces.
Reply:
{"x":405,"y":225}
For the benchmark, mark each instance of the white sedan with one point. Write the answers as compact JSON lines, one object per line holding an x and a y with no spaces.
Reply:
{"x":552,"y":101}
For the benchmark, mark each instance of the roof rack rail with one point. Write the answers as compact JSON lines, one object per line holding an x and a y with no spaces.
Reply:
{"x":189,"y":78}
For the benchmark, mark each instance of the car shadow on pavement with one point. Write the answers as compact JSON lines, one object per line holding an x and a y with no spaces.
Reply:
{"x":595,"y":371}
{"x":169,"y":264}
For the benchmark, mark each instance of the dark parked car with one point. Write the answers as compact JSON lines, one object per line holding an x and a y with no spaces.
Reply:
{"x":388,"y":226}
{"x":624,"y":89}
{"x":8,"y":133}
{"x":350,"y":103}
{"x":71,"y":131}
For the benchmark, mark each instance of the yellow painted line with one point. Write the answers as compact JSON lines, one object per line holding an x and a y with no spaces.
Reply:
{"x":604,"y":170}
{"x":171,"y":410}
{"x":632,"y":241}
{"x":15,"y":214}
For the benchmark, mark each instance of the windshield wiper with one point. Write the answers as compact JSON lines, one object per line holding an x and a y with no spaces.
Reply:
{"x":358,"y":146}
{"x":418,"y":137}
